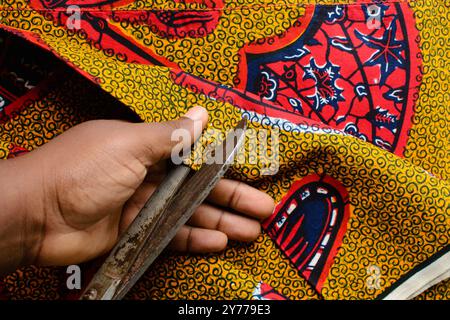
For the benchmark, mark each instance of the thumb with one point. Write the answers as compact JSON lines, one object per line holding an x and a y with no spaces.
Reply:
{"x":158,"y":141}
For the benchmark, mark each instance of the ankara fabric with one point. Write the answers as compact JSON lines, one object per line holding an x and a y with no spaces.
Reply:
{"x":362,"y":112}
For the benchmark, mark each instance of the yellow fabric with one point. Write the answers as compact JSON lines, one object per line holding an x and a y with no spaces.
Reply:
{"x":399,"y":207}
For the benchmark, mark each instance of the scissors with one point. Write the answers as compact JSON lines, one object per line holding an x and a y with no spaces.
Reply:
{"x":164,"y":213}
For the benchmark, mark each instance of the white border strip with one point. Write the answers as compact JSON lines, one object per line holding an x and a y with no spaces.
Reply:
{"x":427,"y":277}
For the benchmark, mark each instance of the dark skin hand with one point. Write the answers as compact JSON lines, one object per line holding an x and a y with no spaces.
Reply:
{"x":68,"y":201}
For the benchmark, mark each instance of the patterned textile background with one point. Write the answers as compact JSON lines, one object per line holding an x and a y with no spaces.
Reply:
{"x":357,"y":90}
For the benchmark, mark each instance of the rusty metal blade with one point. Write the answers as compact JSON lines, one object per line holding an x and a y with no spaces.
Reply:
{"x":183,"y":204}
{"x":164,"y":213}
{"x":108,"y":278}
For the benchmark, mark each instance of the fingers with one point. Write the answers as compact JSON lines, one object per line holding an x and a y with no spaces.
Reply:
{"x":243,"y":198}
{"x":236,"y":227}
{"x":161,"y":140}
{"x":198,"y":240}
{"x":188,"y":238}
{"x":210,"y":227}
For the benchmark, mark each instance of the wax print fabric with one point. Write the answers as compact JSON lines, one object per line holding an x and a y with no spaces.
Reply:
{"x":357,"y":92}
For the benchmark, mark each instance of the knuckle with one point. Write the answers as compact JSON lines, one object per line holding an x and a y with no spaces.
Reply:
{"x":235,"y":195}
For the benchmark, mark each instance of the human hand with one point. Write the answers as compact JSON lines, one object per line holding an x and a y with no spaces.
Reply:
{"x":86,"y":186}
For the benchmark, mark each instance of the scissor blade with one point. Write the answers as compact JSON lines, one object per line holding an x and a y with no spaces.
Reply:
{"x":183,"y":205}
{"x":109,"y":277}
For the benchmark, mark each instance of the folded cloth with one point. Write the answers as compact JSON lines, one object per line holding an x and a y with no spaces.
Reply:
{"x":353,"y":93}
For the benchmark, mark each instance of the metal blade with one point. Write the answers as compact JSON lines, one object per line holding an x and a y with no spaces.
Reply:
{"x":107,"y":279}
{"x":184,"y":204}
{"x":165,"y":212}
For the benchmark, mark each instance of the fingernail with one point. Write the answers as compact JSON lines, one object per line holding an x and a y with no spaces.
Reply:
{"x":196,"y":113}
